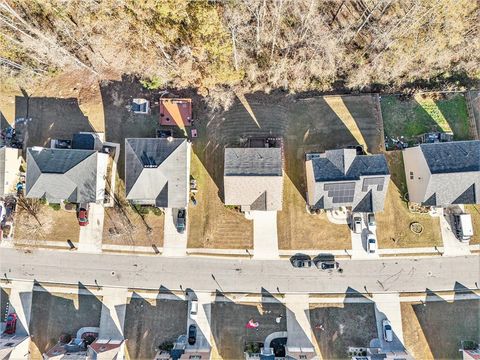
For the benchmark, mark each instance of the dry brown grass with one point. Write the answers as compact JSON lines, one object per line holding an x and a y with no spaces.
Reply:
{"x":123,"y":225}
{"x":297,"y":229}
{"x":393,"y":224}
{"x":475,"y":211}
{"x":55,"y":225}
{"x":414,"y":338}
{"x":210,"y":223}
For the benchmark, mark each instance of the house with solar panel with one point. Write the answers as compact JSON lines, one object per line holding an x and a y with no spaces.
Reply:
{"x":443,"y":174}
{"x":157,"y":172}
{"x":253,"y":178}
{"x":342,"y":178}
{"x":73,"y":175}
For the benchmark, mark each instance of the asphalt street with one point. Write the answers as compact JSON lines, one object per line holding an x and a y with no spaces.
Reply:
{"x":239,"y":275}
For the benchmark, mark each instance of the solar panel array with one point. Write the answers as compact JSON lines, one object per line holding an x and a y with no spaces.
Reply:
{"x":341,"y":192}
{"x":373,"y":181}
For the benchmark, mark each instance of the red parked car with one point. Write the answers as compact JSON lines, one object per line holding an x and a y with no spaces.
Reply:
{"x":11,"y":325}
{"x":83,"y":217}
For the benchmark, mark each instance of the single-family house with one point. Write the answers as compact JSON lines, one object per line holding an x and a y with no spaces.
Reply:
{"x":157,"y":172}
{"x":342,"y":178}
{"x":73,"y":175}
{"x":253,"y":178}
{"x":442,"y":174}
{"x":10,"y":161}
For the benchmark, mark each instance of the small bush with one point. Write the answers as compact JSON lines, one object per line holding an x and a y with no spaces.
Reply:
{"x":144,"y":210}
{"x":55,"y":207}
{"x":153,"y":83}
{"x":156,"y":211}
{"x":166,"y":346}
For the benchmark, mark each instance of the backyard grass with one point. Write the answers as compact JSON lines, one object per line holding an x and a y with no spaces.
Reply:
{"x":55,"y":225}
{"x":425,"y":113}
{"x":435,"y":331}
{"x":393,"y":224}
{"x":297,"y":229}
{"x":344,"y":325}
{"x":210,"y":223}
{"x":474,"y":210}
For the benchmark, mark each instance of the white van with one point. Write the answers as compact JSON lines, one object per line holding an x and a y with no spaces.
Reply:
{"x":463,"y":226}
{"x":193,"y":309}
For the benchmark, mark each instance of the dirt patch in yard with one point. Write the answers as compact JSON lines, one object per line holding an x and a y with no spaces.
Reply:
{"x":55,"y":225}
{"x":298,"y":229}
{"x":210,"y":223}
{"x":393,"y":224}
{"x":435,"y":331}
{"x":55,"y":314}
{"x":338,"y":326}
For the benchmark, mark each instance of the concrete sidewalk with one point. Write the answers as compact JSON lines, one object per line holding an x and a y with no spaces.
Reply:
{"x":174,"y":243}
{"x":265,"y":241}
{"x":90,"y":238}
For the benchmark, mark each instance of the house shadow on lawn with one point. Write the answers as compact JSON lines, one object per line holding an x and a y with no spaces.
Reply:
{"x":51,"y":118}
{"x":446,"y":323}
{"x":229,"y":320}
{"x":150,"y":323}
{"x":338,"y":326}
{"x":55,"y":314}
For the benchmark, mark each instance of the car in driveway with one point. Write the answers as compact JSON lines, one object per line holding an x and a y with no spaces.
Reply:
{"x":302,"y":263}
{"x":371,"y":222}
{"x":371,"y":244}
{"x":11,"y":324}
{"x":82,"y":215}
{"x":193,"y":309}
{"x":387,"y":330}
{"x":327,"y":265}
{"x":192,"y":334}
{"x":357,"y":224}
{"x":181,"y":220}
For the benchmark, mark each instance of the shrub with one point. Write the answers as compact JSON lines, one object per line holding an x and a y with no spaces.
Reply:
{"x":156,"y":211}
{"x":55,"y":207}
{"x":153,"y":83}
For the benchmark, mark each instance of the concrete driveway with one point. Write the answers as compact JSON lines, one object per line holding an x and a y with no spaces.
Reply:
{"x":265,"y":240}
{"x":202,"y":322}
{"x":90,"y":238}
{"x":451,"y":245}
{"x":174,"y":243}
{"x":387,"y":306}
{"x":359,"y":242}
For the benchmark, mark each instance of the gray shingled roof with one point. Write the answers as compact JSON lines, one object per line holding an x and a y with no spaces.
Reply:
{"x":62,"y":174}
{"x":450,"y":157}
{"x":157,"y":171}
{"x":253,"y":178}
{"x":342,"y":178}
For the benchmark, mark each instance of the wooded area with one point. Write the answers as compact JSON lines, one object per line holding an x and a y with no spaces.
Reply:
{"x":248,"y":45}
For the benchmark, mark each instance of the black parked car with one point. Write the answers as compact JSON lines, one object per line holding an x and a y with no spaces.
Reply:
{"x":192,"y":334}
{"x":302,"y":263}
{"x":327,"y":265}
{"x":181,"y":220}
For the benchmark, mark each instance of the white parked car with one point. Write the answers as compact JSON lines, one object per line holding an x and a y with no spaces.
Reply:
{"x":371,"y":244}
{"x":372,"y":223}
{"x":387,"y":330}
{"x":357,"y":223}
{"x":193,"y":309}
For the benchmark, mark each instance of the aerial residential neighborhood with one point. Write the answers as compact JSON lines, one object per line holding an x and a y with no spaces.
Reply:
{"x":258,"y":180}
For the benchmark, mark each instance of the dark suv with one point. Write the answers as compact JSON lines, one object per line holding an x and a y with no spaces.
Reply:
{"x":327,"y":265}
{"x":181,"y":221}
{"x":192,"y":334}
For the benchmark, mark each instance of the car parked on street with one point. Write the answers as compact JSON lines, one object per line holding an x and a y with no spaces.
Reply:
{"x":192,"y":334}
{"x":11,"y":324}
{"x":327,"y":265}
{"x":371,"y":222}
{"x":387,"y":330}
{"x":371,"y":244}
{"x":193,"y":309}
{"x":181,"y":220}
{"x":82,"y":215}
{"x":302,"y":263}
